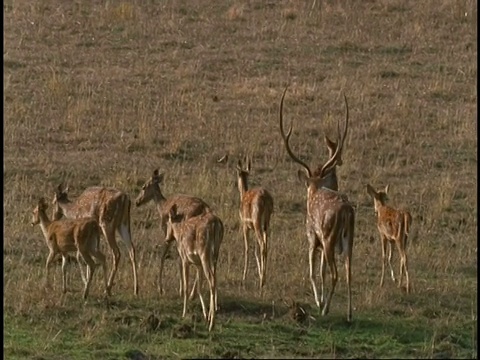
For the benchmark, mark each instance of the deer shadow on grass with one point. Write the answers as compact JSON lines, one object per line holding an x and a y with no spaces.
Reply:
{"x":233,"y":306}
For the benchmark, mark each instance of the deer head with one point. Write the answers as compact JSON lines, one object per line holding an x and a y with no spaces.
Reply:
{"x":60,"y":196}
{"x":242,"y":174}
{"x":379,"y":197}
{"x":150,"y":188}
{"x":317,"y":178}
{"x":41,"y":207}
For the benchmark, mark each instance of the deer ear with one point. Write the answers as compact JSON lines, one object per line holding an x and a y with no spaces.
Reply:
{"x":386,"y":188}
{"x":239,"y":165}
{"x":249,"y":164}
{"x":370,"y":190}
{"x":303,"y":177}
{"x":223,"y":159}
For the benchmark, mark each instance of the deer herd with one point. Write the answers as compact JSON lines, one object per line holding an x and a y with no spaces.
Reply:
{"x":190,"y":223}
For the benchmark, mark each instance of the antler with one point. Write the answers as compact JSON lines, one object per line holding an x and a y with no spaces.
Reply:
{"x":287,"y":137}
{"x":341,"y":139}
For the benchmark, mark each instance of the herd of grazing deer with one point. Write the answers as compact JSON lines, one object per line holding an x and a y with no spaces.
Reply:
{"x":191,"y":224}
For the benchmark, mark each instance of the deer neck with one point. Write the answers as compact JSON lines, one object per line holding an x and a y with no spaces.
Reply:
{"x":330,"y":180}
{"x":159,"y":200}
{"x":242,"y":185}
{"x":44,"y":223}
{"x":69,"y":209}
{"x":380,"y":208}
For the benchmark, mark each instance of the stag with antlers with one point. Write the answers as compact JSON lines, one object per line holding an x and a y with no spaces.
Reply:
{"x":393,"y":226}
{"x":187,"y":206}
{"x":111,"y":208}
{"x":256,"y":208}
{"x":330,"y":219}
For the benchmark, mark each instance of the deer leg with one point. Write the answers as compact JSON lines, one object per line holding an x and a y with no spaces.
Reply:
{"x":311,"y":261}
{"x":180,"y":289}
{"x":323,"y":267}
{"x":245,"y":240}
{"x":110,"y":236}
{"x":164,"y":248}
{"x":185,"y":268}
{"x":390,"y":254}
{"x":384,"y":250}
{"x":210,"y":276}
{"x":402,"y":254}
{"x":348,"y":276}
{"x":258,"y":248}
{"x":329,"y":254}
{"x":405,"y":261}
{"x":262,"y":242}
{"x":215,"y":278}
{"x":263,"y":255}
{"x":91,"y":266}
{"x":50,"y":258}
{"x":406,"y":272}
{"x":194,"y":286}
{"x":64,"y":272}
{"x":199,"y":288}
{"x":79,"y":261}
{"x":102,"y":260}
{"x":125,"y":234}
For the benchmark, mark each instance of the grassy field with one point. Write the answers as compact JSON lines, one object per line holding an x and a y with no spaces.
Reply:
{"x":104,"y":92}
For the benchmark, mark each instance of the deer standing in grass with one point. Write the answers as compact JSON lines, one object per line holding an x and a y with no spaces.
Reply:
{"x":256,"y":208}
{"x":198,"y":243}
{"x":111,"y":208}
{"x":66,"y":235}
{"x":393,"y":226}
{"x":187,"y":206}
{"x":330,"y":219}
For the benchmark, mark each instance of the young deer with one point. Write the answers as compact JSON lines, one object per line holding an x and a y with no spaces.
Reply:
{"x":111,"y":208}
{"x":330,"y":219}
{"x":256,"y":208}
{"x":187,"y":206}
{"x":63,"y":236}
{"x":198,"y":243}
{"x":393,"y":226}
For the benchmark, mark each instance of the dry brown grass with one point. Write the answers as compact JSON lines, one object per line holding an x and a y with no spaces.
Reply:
{"x":104,"y":92}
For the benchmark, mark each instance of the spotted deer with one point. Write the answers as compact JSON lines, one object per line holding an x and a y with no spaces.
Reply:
{"x":188,"y":206}
{"x":198,"y":242}
{"x":66,"y":235}
{"x":330,"y":219}
{"x":393,"y":226}
{"x":256,"y":208}
{"x":111,"y":208}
